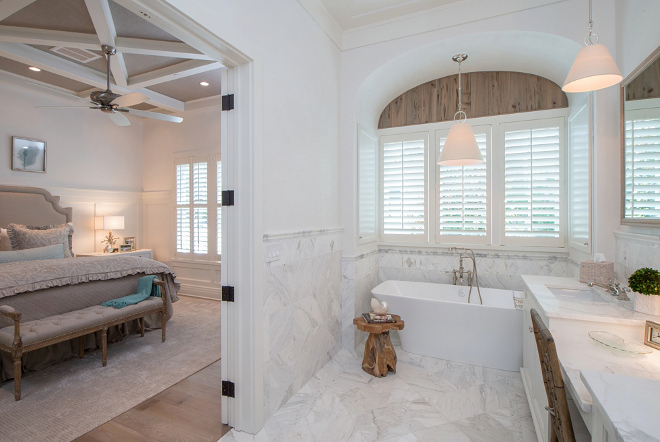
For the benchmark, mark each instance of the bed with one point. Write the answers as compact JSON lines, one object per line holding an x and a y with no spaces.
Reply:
{"x":48,"y":287}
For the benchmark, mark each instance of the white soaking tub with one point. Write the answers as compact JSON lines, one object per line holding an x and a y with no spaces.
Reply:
{"x":440,"y":323}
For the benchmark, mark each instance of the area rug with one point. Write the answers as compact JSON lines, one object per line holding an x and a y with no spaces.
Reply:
{"x":69,"y":399}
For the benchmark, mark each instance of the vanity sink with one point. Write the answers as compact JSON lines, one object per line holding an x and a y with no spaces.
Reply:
{"x":587,"y":294}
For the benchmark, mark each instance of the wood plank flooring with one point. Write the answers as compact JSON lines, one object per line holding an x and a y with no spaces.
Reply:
{"x":187,"y":411}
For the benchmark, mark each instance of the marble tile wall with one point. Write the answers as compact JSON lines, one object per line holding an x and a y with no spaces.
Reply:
{"x":640,"y":250}
{"x":359,"y":275}
{"x":302,"y":311}
{"x":495,"y":270}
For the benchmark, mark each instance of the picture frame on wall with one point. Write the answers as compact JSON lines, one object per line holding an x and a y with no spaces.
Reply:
{"x":28,"y":155}
{"x":130,"y":240}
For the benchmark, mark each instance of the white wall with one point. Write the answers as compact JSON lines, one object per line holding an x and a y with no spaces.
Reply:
{"x":163,"y":142}
{"x":92,"y":164}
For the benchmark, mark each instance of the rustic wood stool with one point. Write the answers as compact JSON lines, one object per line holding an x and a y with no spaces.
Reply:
{"x":379,"y":354}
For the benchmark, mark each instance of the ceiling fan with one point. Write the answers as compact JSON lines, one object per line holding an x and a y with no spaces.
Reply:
{"x":115,"y":105}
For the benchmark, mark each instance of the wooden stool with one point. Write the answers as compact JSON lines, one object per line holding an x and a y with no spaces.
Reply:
{"x":379,"y":354}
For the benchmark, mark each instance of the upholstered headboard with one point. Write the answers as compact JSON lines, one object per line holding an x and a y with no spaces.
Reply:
{"x":32,"y":206}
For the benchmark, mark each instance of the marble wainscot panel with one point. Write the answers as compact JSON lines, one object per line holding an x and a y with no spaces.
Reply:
{"x":641,"y":251}
{"x":302,"y":311}
{"x":495,"y":270}
{"x":359,"y":275}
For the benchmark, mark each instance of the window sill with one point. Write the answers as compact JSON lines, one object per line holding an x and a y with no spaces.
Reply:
{"x":475,"y":247}
{"x":195,"y":262}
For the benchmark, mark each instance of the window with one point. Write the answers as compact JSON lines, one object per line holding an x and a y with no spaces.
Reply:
{"x":194,"y":209}
{"x":532,"y":182}
{"x":642,"y":164}
{"x":404,"y":186}
{"x":463,"y":195}
{"x":579,"y":215}
{"x":367,"y":186}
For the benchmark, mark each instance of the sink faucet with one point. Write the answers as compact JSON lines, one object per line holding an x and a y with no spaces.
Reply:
{"x":614,"y":288}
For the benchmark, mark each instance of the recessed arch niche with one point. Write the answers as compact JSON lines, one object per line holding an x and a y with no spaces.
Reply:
{"x":483,"y":94}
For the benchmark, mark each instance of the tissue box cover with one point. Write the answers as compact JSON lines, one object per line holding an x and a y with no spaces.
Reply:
{"x":600,"y":272}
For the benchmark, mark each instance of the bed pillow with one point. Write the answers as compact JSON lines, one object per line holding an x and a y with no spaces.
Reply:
{"x":23,"y":237}
{"x":56,"y":251}
{"x":5,"y":244}
{"x":55,"y":226}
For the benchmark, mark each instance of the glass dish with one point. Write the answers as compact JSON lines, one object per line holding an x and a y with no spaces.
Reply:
{"x":617,"y":343}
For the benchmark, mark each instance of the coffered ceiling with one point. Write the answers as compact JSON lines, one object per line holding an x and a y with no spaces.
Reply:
{"x":63,"y":38}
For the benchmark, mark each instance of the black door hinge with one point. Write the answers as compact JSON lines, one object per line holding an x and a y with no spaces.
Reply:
{"x":228,"y":388}
{"x":227,"y":197}
{"x":228,"y":102}
{"x":228,"y":293}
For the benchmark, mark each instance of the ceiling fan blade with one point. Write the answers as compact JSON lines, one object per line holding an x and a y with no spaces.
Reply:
{"x":155,"y":115}
{"x":119,"y":119}
{"x":130,"y":99}
{"x":68,"y":107}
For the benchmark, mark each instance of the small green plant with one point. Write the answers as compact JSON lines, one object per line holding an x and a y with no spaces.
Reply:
{"x":645,"y":281}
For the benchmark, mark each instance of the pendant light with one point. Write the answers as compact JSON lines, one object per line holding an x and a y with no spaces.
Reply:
{"x":461,"y":148}
{"x":593,"y":68}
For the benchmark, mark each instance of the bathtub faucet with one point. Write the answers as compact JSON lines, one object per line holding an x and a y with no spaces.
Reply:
{"x":472,"y":277}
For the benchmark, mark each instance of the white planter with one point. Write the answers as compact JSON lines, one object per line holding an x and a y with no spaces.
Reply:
{"x":649,"y":304}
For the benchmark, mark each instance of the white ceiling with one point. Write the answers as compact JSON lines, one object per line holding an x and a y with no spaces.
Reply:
{"x":351,"y":14}
{"x":148,"y":60}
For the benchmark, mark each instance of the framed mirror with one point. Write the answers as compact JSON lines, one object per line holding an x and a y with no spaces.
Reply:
{"x":640,"y":143}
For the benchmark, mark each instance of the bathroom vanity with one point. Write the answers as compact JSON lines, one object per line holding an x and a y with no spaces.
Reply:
{"x":571,"y":310}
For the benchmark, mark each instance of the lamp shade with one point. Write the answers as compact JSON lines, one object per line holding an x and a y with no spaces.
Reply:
{"x":592,"y":69}
{"x":461,"y":148}
{"x":109,"y":222}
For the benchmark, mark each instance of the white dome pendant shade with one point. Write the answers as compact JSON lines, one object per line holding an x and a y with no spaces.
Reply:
{"x":593,"y":69}
{"x":461,"y":148}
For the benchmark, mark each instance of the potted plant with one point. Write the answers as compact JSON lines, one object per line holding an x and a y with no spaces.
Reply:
{"x":645,"y":282}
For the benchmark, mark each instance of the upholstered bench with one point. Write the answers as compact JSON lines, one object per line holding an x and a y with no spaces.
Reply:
{"x":31,"y":335}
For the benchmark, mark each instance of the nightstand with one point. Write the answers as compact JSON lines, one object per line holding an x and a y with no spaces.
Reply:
{"x":143,"y":253}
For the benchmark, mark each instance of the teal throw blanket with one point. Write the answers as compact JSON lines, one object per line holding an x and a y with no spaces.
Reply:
{"x":145,"y":289}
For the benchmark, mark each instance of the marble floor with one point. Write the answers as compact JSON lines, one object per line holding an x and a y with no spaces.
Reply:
{"x":426,"y":400}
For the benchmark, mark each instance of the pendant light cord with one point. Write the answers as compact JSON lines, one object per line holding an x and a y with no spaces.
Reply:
{"x":460,"y":101}
{"x":587,"y":39}
{"x":457,"y":116}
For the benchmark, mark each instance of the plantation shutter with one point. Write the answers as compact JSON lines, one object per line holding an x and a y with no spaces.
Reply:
{"x":183,"y":226}
{"x":579,"y":191}
{"x":367,"y":186}
{"x":192,"y":220}
{"x":404,"y":207}
{"x":532,"y":183}
{"x":642,"y":164}
{"x":463,"y":194}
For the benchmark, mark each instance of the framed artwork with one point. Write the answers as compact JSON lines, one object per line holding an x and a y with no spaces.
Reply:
{"x":652,"y":335}
{"x":125,"y":248}
{"x":28,"y":155}
{"x":130,"y":240}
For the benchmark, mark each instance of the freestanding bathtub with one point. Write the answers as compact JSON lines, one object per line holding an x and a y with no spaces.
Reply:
{"x":440,"y":323}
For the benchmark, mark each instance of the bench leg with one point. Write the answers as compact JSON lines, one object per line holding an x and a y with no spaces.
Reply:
{"x":104,"y":345}
{"x":81,"y":347}
{"x":142,"y":326}
{"x":163,"y":320}
{"x":17,"y":377}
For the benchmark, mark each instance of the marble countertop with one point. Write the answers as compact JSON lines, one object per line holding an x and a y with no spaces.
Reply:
{"x":612,"y":310}
{"x":629,"y":404}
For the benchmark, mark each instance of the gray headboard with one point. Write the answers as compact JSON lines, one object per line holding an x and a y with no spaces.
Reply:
{"x":31,"y":205}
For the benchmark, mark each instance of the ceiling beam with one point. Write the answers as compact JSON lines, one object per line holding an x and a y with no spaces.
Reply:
{"x":99,"y":11}
{"x":49,"y":62}
{"x":174,"y":72}
{"x":10,"y":7}
{"x":158,"y":48}
{"x":31,"y":36}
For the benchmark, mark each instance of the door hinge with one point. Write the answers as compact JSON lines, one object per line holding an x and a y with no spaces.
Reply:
{"x":227,"y":197}
{"x":228,"y":102}
{"x":228,"y":388}
{"x":228,"y":293}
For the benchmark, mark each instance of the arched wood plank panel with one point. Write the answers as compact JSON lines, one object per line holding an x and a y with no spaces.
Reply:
{"x":484,"y":94}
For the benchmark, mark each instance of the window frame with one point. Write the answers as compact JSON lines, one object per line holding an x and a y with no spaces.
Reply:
{"x":573,"y":242}
{"x":402,"y":137}
{"x":463,"y":239}
{"x":560,"y":241}
{"x":366,"y":140}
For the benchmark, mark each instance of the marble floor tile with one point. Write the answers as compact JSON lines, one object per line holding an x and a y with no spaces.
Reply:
{"x":426,"y":400}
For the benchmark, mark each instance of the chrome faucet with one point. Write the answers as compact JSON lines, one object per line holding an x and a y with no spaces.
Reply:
{"x":471,"y":274}
{"x":614,"y":288}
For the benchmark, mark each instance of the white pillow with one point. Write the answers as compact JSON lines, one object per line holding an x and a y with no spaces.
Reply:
{"x":5,"y":243}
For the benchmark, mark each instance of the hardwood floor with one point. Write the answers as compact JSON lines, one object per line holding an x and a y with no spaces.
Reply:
{"x":187,"y":411}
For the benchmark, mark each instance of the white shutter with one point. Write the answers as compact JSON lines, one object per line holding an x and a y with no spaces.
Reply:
{"x":463,"y":194}
{"x":579,"y":182}
{"x":192,"y":220}
{"x":367,"y":186}
{"x":532,"y":183}
{"x":183,"y":183}
{"x":200,"y":230}
{"x":642,"y":164}
{"x":183,"y":230}
{"x":404,"y":186}
{"x":200,"y":182}
{"x":219,"y":207}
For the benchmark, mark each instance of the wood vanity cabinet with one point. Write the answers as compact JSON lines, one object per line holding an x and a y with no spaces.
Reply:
{"x":531,"y":370}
